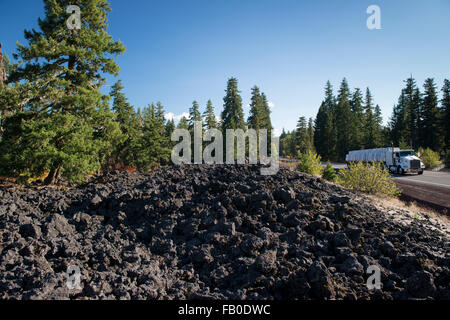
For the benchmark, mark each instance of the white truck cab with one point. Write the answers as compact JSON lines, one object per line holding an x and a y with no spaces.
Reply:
{"x":405,"y":161}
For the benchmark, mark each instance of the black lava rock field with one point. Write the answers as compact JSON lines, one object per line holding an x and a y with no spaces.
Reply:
{"x":214,"y":232}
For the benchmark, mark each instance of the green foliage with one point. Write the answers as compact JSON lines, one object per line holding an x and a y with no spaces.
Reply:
{"x":210,"y":118}
{"x":288,"y":144}
{"x":356,"y":103}
{"x":55,"y":109}
{"x":194,"y":115}
{"x":232,"y":115}
{"x":447,"y":159}
{"x":30,"y":146}
{"x":445,"y":109}
{"x":431,"y":132}
{"x":183,"y":123}
{"x":126,"y":149}
{"x":265,"y":116}
{"x":154,"y":144}
{"x":170,"y":127}
{"x":259,"y":116}
{"x":304,"y":136}
{"x":406,"y":115}
{"x":368,"y":178}
{"x":254,"y":120}
{"x":429,"y":158}
{"x":329,"y":173}
{"x":324,"y":129}
{"x":309,"y":162}
{"x":343,"y":121}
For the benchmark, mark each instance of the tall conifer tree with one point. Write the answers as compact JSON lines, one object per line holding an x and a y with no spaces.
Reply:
{"x":61,"y":122}
{"x":445,"y":108}
{"x":325,"y":130}
{"x":431,"y":130}
{"x":126,"y":152}
{"x":210,"y":118}
{"x":232,"y":114}
{"x":343,"y":120}
{"x":357,"y":133}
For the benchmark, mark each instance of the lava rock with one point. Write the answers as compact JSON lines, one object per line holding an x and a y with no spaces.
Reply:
{"x":214,"y":232}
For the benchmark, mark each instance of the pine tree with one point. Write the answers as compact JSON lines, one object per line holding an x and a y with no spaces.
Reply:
{"x":139,"y":117}
{"x":2,"y":69}
{"x":255,"y":117}
{"x":405,"y":124}
{"x":170,"y":128}
{"x":311,"y":134}
{"x":343,"y":120}
{"x":283,"y":145}
{"x":445,"y":110}
{"x":303,"y":136}
{"x":320,"y":126}
{"x":259,"y":116}
{"x":324,"y":128}
{"x":379,"y":138}
{"x":369,"y":121}
{"x":266,"y":122}
{"x":155,"y":148}
{"x":194,"y":115}
{"x":8,"y":95}
{"x":210,"y":118}
{"x":431,"y":133}
{"x":412,"y":133}
{"x":126,"y":152}
{"x":397,"y":123}
{"x":288,"y":146}
{"x":58,"y":121}
{"x":232,"y":115}
{"x":357,"y":134}
{"x":183,"y":123}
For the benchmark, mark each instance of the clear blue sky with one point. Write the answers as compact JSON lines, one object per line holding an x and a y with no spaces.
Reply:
{"x":178,"y":51}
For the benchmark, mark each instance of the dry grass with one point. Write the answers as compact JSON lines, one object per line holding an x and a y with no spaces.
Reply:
{"x":416,"y":210}
{"x":289,"y":165}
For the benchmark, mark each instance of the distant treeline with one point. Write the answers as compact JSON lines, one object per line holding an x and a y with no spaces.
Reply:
{"x":350,"y":121}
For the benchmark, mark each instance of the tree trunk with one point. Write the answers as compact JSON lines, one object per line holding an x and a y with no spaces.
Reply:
{"x":53,"y":176}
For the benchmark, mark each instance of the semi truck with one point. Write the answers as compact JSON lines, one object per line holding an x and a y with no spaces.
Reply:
{"x":394,"y":159}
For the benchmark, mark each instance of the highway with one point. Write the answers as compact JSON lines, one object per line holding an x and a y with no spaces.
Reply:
{"x":441,"y":179}
{"x":431,"y":188}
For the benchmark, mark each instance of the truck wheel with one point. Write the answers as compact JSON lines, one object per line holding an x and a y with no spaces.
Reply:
{"x":421,"y":172}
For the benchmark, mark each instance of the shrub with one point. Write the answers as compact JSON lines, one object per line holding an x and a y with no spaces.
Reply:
{"x":329,"y":173}
{"x":429,"y":158}
{"x":309,"y":162}
{"x":368,"y":178}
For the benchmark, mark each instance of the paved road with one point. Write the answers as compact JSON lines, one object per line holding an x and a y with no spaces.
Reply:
{"x":441,"y":179}
{"x":432,"y":188}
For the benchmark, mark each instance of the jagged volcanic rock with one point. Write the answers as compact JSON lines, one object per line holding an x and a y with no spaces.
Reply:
{"x":214,"y":232}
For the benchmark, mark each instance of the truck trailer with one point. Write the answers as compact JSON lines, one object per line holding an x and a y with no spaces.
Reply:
{"x":394,"y":159}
